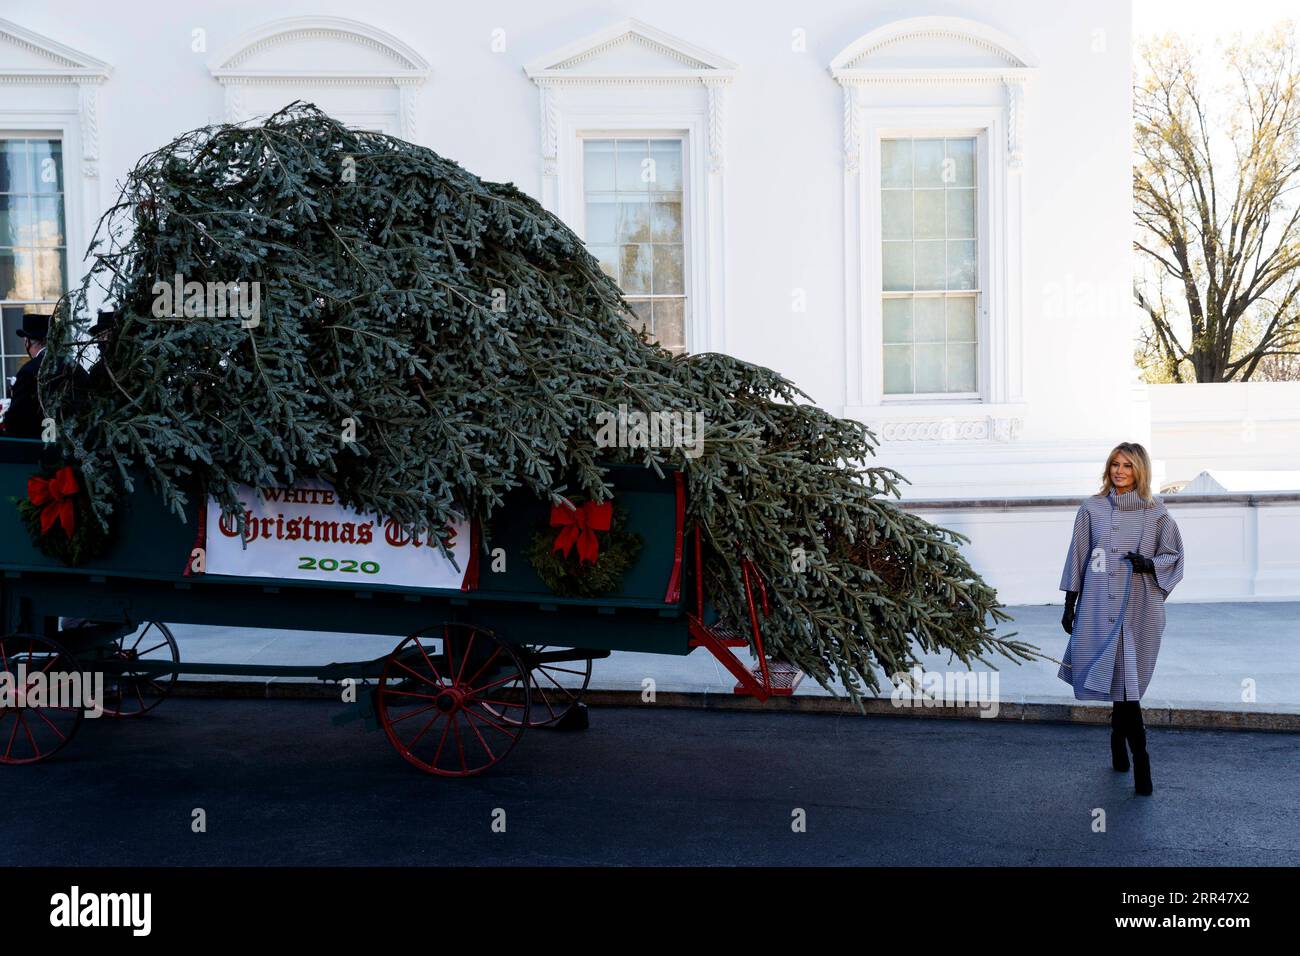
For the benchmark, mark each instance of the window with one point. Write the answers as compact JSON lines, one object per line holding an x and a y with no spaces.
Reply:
{"x":934,"y":143}
{"x":622,"y":100}
{"x":33,"y":237}
{"x":929,"y":266}
{"x":633,"y":197}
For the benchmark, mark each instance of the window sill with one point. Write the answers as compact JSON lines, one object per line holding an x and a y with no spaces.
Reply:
{"x":942,"y":421}
{"x":906,"y":409}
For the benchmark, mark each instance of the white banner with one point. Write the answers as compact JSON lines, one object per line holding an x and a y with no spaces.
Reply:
{"x":303,"y":533}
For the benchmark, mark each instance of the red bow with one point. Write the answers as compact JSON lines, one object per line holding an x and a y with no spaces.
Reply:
{"x":579,"y":527}
{"x":54,"y":496}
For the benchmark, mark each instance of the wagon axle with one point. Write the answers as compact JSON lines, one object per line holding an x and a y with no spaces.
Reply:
{"x":450,"y":700}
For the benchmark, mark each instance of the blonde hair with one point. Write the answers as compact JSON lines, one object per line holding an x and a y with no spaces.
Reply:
{"x":1141,"y":469}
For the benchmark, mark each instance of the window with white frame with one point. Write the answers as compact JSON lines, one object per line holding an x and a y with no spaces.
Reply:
{"x":33,"y":237}
{"x":633,"y":193}
{"x":930,"y":275}
{"x":934,"y":143}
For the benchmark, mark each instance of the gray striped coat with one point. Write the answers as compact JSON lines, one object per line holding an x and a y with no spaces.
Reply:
{"x":1117,"y":627}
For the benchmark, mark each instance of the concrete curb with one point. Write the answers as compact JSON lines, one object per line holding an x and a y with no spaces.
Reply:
{"x":1185,"y":718}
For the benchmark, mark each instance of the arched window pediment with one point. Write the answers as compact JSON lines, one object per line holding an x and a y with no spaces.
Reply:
{"x":308,"y":54}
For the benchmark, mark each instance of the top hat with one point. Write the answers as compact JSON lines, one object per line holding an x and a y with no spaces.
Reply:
{"x":104,"y":322}
{"x":35,"y":326}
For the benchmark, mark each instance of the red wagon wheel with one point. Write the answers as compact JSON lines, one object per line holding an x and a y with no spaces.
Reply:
{"x":133,"y":693}
{"x":455,"y":710}
{"x":29,"y":732}
{"x":556,"y":686}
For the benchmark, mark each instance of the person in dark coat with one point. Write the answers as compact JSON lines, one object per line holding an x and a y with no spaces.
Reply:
{"x":100,"y":332}
{"x":1125,"y":556}
{"x":24,"y":417}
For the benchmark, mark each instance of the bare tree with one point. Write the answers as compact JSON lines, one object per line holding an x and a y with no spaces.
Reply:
{"x":1218,"y":222}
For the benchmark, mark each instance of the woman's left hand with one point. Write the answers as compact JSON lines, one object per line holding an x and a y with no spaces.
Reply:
{"x":1140,"y":564}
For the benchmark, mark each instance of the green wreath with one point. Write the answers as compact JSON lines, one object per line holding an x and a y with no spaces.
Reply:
{"x":566,"y":574}
{"x":55,"y":499}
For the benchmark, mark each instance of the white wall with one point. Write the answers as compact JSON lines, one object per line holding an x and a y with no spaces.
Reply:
{"x":1235,"y":426}
{"x":782,"y":223}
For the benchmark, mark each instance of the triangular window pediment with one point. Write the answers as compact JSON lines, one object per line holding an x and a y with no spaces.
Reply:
{"x":23,"y":52}
{"x":630,"y":49}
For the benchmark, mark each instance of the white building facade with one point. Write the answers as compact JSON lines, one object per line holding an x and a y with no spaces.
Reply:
{"x":924,"y":221}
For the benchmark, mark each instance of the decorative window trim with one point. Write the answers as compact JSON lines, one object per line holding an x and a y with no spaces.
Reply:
{"x":77,"y":124}
{"x":574,"y":105}
{"x":870,"y":113}
{"x":407,"y":74}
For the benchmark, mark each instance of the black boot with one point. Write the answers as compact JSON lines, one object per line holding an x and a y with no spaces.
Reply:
{"x":1118,"y":752}
{"x":1137,"y":741}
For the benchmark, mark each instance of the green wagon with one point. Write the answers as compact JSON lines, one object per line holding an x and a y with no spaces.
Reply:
{"x":475,"y":666}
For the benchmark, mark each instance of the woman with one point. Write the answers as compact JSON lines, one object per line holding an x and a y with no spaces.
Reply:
{"x":1126,"y":555}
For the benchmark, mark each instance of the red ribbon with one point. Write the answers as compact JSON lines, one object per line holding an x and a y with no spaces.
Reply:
{"x":580,"y":526}
{"x":54,"y":496}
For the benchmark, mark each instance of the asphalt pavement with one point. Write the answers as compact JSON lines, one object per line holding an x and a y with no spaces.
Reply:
{"x":278,"y":783}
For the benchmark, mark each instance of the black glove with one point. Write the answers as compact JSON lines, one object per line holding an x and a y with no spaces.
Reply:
{"x":1067,"y":619}
{"x":1140,"y":564}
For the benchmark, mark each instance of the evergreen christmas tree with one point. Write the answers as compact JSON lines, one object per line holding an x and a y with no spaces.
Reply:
{"x":470,"y":341}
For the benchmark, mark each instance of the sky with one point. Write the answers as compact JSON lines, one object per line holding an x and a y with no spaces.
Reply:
{"x":1207,"y":19}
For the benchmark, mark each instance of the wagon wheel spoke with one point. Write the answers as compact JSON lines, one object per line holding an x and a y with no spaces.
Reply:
{"x":36,"y":750}
{"x":493,"y":700}
{"x":48,"y":664}
{"x":9,"y":747}
{"x":491,"y":723}
{"x":38,"y":730}
{"x":416,"y":713}
{"x":141,"y":637}
{"x":496,"y":653}
{"x":462,"y":749}
{"x":560,"y":687}
{"x":423,"y":730}
{"x":469,"y":650}
{"x":570,"y":689}
{"x":434,"y":669}
{"x":496,"y":683}
{"x":460,"y":745}
{"x":409,"y":693}
{"x":441,"y":743}
{"x":552,"y":667}
{"x":470,"y":723}
{"x":476,"y":693}
{"x":545,"y":700}
{"x":419,"y":676}
{"x":51,"y":724}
